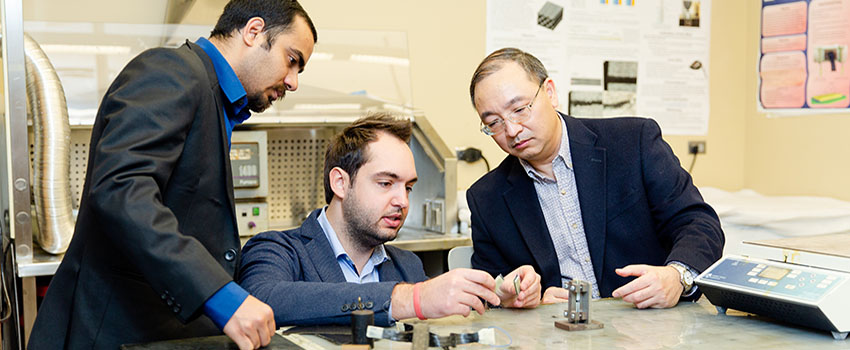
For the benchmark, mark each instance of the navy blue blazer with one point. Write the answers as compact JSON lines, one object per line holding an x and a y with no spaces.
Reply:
{"x":638,"y":207}
{"x":296,"y":273}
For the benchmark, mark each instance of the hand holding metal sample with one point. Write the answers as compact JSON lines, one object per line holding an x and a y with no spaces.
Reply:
{"x":456,"y":292}
{"x":520,"y":288}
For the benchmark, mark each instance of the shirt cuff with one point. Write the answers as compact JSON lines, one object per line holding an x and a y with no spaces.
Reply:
{"x":223,"y":304}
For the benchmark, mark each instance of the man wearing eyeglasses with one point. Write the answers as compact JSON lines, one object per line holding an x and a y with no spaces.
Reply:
{"x":601,"y":200}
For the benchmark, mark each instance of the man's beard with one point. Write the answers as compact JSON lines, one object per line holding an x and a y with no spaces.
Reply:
{"x":258,"y":102}
{"x":361,"y":230}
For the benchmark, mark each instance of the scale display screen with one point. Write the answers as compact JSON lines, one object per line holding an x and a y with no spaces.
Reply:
{"x":774,"y":273}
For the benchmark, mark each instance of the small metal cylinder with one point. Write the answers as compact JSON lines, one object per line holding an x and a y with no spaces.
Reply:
{"x":360,"y":320}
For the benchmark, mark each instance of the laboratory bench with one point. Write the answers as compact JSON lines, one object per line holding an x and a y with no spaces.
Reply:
{"x":686,"y":326}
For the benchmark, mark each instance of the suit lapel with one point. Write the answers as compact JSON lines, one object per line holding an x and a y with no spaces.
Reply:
{"x":521,"y":200}
{"x":390,"y":270}
{"x":225,"y":148}
{"x":589,"y":166}
{"x":319,"y":249}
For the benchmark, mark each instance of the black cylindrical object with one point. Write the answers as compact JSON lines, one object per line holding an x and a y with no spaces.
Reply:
{"x":361,"y":319}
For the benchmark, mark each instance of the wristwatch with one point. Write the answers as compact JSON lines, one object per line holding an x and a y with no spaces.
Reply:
{"x":686,"y":278}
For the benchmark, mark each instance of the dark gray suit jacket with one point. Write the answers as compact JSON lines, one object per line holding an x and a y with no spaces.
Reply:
{"x":156,"y":234}
{"x":637,"y":204}
{"x":297,"y":274}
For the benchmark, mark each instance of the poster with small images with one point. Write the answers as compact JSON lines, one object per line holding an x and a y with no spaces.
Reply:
{"x":613,"y":58}
{"x":802,"y":56}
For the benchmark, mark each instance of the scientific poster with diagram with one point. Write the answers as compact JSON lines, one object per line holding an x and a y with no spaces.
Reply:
{"x":802,"y":60}
{"x":616,"y":57}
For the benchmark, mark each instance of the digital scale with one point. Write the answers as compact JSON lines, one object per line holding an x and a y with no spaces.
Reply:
{"x":805,"y":281}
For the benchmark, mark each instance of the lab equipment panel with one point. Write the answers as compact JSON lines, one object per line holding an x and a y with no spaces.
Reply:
{"x":252,"y":218}
{"x":804,"y":295}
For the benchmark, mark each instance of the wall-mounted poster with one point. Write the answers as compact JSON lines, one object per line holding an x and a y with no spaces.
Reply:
{"x":803,"y":54}
{"x":616,"y":57}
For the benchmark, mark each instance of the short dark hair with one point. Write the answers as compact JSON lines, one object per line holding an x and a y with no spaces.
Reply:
{"x":494,"y":61}
{"x":277,"y":14}
{"x":346,"y":149}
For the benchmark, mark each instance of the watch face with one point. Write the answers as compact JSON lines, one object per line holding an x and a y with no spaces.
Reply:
{"x":689,"y":280}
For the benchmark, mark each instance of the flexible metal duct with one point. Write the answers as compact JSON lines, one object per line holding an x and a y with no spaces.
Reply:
{"x":52,"y":158}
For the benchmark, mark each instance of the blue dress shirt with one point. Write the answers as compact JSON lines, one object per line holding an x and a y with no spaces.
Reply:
{"x":223,"y":304}
{"x":236,"y":99}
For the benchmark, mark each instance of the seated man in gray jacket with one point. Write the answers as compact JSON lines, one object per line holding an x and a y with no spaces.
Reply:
{"x":336,"y":262}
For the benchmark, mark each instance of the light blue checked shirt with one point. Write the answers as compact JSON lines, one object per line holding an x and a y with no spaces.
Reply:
{"x":559,"y":200}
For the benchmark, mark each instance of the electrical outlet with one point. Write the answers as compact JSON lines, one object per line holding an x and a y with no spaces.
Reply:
{"x":468,"y":154}
{"x":459,"y":152}
{"x":696,"y":147}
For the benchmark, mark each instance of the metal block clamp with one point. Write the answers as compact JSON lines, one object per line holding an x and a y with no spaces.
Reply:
{"x":578,"y":311}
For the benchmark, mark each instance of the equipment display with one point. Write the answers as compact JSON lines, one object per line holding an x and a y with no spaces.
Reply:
{"x":245,"y":163}
{"x":249,"y":164}
{"x":800,"y":280}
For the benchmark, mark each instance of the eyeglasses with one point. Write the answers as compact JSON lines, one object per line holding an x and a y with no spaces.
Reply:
{"x":517,"y":116}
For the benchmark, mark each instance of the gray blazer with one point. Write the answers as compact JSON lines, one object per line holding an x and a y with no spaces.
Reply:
{"x":297,"y":274}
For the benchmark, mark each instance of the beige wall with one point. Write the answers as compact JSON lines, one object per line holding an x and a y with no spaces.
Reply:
{"x":800,"y":155}
{"x":447,"y":41}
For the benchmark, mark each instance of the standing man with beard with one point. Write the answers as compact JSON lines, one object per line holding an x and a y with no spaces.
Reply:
{"x":336,"y":262}
{"x":156,"y":246}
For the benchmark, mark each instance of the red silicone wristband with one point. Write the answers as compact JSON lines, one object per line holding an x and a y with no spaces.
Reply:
{"x":416,"y":307}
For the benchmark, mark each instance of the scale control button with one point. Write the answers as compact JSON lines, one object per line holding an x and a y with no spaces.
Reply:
{"x":796,"y":272}
{"x":772,"y":284}
{"x":822,"y":285}
{"x":751,"y":273}
{"x":761,"y":266}
{"x":790,"y":286}
{"x":826,"y":281}
{"x":753,"y":280}
{"x":762,"y":281}
{"x":756,"y":269}
{"x":831,"y":278}
{"x":792,"y":276}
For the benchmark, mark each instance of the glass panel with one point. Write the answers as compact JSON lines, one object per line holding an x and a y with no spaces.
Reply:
{"x":350,"y":70}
